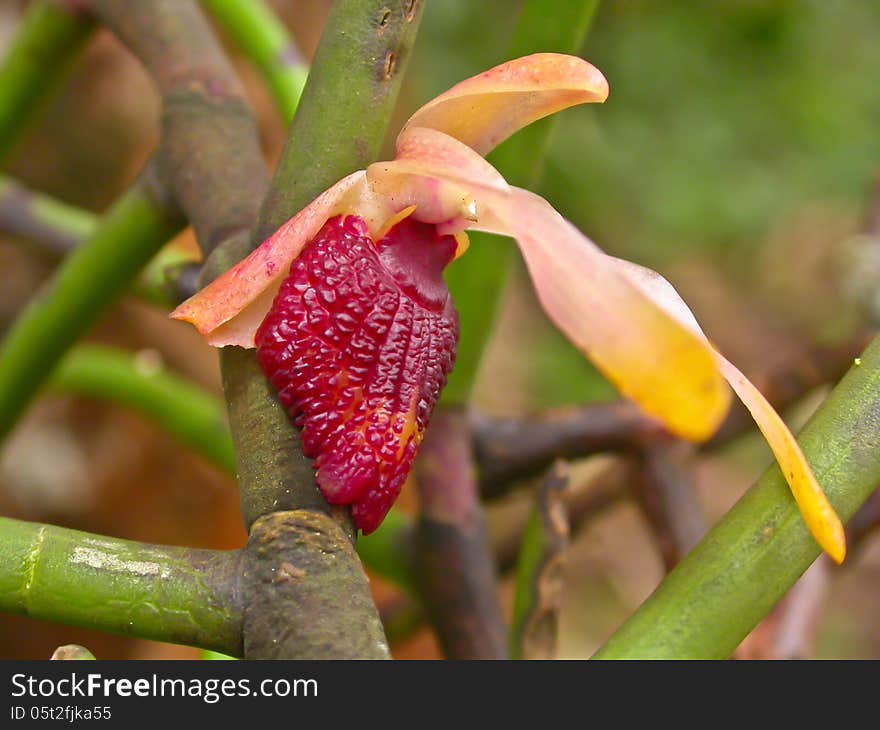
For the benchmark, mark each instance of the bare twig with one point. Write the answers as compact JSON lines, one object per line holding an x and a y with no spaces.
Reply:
{"x":454,"y":566}
{"x":538,"y":598}
{"x":668,"y":497}
{"x":508,"y":449}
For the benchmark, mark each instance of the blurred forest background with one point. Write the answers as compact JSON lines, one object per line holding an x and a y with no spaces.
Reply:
{"x":737,"y":154}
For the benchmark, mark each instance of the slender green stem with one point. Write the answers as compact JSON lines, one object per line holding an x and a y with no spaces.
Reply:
{"x":187,"y":412}
{"x":477,"y":280}
{"x":56,"y":228}
{"x":35,"y":61}
{"x":706,"y":606}
{"x":255,"y":29}
{"x":91,"y":278}
{"x":173,"y":594}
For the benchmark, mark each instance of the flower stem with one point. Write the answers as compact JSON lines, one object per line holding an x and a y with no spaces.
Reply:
{"x":174,"y":594}
{"x":706,"y":606}
{"x":338,"y":128}
{"x":91,"y":278}
{"x":255,"y":29}
{"x":48,"y":37}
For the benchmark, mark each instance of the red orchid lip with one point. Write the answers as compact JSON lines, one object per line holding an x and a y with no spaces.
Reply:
{"x":637,"y":331}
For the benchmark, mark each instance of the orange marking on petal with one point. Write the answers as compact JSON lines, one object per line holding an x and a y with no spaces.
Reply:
{"x":463,"y":244}
{"x":393,"y":221}
{"x":486,"y":109}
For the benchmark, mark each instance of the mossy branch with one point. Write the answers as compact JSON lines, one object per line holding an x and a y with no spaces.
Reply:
{"x":173,"y":594}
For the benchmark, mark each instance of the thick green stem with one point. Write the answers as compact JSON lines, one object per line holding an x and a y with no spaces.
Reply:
{"x":477,"y":280}
{"x":173,"y":594}
{"x":255,"y":29}
{"x":346,"y":105}
{"x":338,"y":128}
{"x":36,"y":60}
{"x":90,"y":279}
{"x":706,"y":606}
{"x":187,"y":412}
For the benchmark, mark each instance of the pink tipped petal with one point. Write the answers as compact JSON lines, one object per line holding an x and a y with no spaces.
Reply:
{"x":486,"y":109}
{"x":437,"y":152}
{"x":435,"y":173}
{"x":818,"y":514}
{"x":229,"y":310}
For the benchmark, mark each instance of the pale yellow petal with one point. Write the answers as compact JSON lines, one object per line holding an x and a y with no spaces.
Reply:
{"x":818,"y":514}
{"x":666,"y":368}
{"x":486,"y":109}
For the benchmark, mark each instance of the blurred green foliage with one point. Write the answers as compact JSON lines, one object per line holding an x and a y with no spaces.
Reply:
{"x":723,"y":119}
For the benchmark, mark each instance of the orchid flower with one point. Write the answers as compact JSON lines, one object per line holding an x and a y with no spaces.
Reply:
{"x":355,"y":328}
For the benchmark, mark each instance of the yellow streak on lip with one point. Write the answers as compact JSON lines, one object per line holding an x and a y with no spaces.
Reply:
{"x":410,"y":428}
{"x":393,"y":221}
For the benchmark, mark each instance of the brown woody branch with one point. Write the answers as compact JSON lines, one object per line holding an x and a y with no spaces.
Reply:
{"x":454,"y":568}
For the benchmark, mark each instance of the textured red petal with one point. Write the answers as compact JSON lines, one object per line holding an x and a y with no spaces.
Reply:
{"x":358,"y":344}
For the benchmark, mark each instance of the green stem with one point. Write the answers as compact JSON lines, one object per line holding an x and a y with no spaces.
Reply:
{"x":91,"y":278}
{"x":477,"y":280}
{"x":35,"y":61}
{"x":255,"y":29}
{"x":706,"y":606}
{"x":173,"y":594}
{"x":187,"y":412}
{"x":57,"y":228}
{"x":346,"y":105}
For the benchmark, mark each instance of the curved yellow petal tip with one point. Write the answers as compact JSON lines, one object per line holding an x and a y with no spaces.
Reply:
{"x":486,"y":109}
{"x":818,"y":514}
